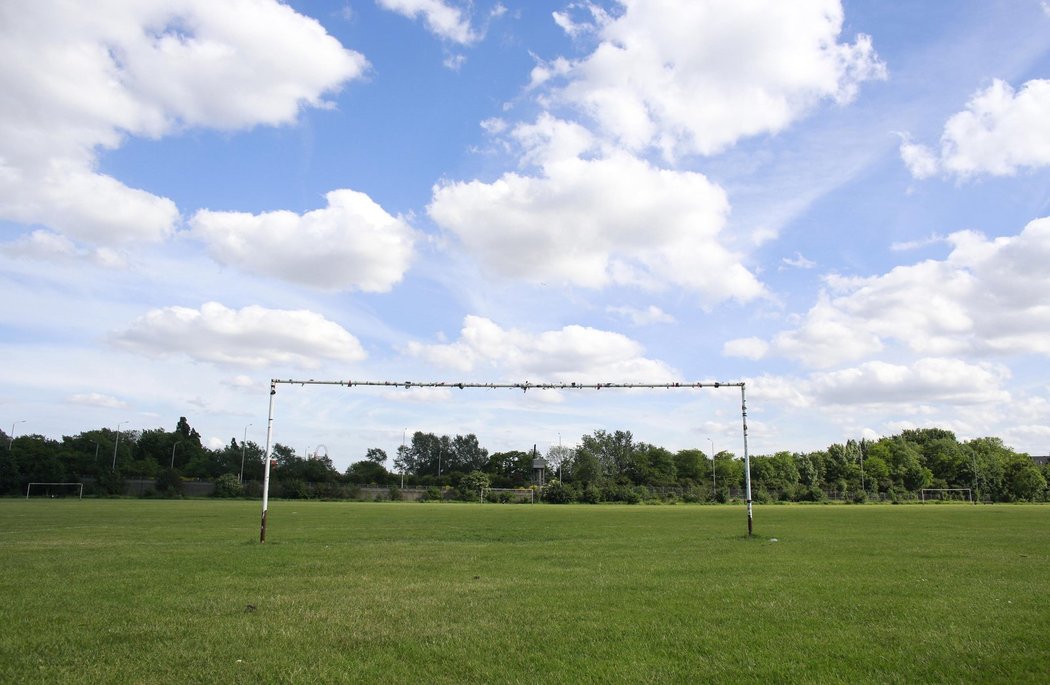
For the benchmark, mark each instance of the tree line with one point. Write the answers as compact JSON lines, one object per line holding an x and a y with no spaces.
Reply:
{"x":602,"y":466}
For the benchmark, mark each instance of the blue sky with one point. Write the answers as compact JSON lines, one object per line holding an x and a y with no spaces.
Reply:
{"x":846,"y":205}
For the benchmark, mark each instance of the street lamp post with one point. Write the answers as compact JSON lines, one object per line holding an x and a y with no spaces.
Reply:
{"x":713,"y":487}
{"x":976,"y":494}
{"x":173,"y":453}
{"x":117,"y":442}
{"x":11,"y":437}
{"x":404,"y":434}
{"x":244,"y":445}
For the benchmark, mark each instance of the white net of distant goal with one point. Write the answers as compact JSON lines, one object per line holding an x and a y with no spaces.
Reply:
{"x":55,"y":490}
{"x":946,"y":495}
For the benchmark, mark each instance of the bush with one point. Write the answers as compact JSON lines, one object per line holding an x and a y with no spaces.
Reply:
{"x":591,"y":494}
{"x":557,"y":492}
{"x":809,"y":493}
{"x":395,"y":493}
{"x":294,"y":489}
{"x":227,"y":485}
{"x":111,"y":483}
{"x":169,"y":483}
{"x":858,"y":497}
{"x":621,"y":493}
{"x":693,"y":495}
{"x":433,"y":494}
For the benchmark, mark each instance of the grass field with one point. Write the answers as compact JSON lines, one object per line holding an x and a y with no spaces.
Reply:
{"x":123,"y":591}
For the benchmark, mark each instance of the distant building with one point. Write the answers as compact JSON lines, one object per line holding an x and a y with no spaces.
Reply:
{"x":1041,"y":461}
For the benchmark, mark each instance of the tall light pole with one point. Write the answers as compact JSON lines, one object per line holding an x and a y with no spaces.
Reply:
{"x":244,"y":444}
{"x":561,"y":457}
{"x":712,"y":467}
{"x":173,"y":453}
{"x":11,"y":436}
{"x":117,"y":442}
{"x":404,"y":434}
{"x":976,"y":494}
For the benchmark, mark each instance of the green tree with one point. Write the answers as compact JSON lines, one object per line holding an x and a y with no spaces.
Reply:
{"x":729,"y":470}
{"x":650,"y":465}
{"x":10,"y":476}
{"x":466,"y":454}
{"x":990,"y":456}
{"x":811,"y":468}
{"x":37,"y":460}
{"x":948,"y":461}
{"x":367,"y":472}
{"x":877,"y":473}
{"x":614,"y":451}
{"x":559,"y":457}
{"x":227,"y":485}
{"x":376,"y":455}
{"x":691,"y":466}
{"x":586,"y":469}
{"x":510,"y":469}
{"x":904,"y":460}
{"x":473,"y":483}
{"x":1023,"y":479}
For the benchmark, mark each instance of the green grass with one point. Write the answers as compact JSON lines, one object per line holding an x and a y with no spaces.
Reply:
{"x":119,"y":591}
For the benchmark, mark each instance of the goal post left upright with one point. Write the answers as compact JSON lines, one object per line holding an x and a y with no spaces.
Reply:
{"x":266,"y":468}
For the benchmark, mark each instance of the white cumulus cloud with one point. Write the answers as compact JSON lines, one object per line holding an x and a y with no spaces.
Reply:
{"x":442,"y":19}
{"x":94,"y":399}
{"x":570,"y":354}
{"x":253,"y":336}
{"x":940,"y":380}
{"x":596,"y":222}
{"x":352,"y":244}
{"x":748,"y":348}
{"x":642,"y":317}
{"x":972,"y":302}
{"x":999,"y":133}
{"x":80,"y":80}
{"x":695,"y":77}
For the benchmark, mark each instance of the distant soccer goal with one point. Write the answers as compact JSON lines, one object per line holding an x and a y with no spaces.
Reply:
{"x":946,"y":495}
{"x":53,"y":490}
{"x":508,"y":495}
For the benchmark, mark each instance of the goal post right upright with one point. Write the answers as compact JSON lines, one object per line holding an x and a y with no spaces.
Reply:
{"x":747,"y":459}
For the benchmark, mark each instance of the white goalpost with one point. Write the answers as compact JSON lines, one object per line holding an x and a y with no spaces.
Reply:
{"x":524,"y":387}
{"x":48,"y":489}
{"x":968,"y":497}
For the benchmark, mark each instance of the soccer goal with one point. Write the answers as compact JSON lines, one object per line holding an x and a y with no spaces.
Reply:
{"x":523,"y":387}
{"x":508,"y":495}
{"x":946,"y":495}
{"x":53,"y":490}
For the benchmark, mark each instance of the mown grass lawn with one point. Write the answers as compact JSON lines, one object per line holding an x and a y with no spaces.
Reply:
{"x":125,"y":591}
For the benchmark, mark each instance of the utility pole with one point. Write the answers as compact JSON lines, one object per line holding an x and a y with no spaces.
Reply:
{"x":244,"y":445}
{"x":115,"y":443}
{"x":713,"y":485}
